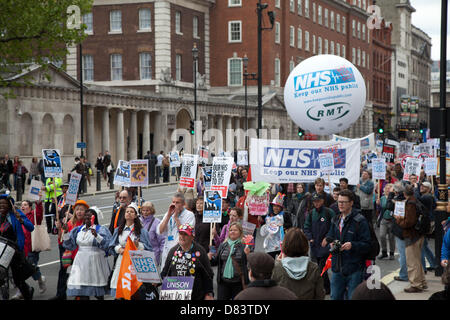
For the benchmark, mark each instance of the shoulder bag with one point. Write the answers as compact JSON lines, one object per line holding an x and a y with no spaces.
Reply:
{"x":40,"y":240}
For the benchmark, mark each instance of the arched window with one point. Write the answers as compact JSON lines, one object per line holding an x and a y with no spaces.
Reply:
{"x":48,"y":132}
{"x":26,"y":135}
{"x":68,"y":136}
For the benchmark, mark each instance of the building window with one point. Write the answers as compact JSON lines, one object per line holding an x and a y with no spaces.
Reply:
{"x":88,"y":68}
{"x":291,"y":65}
{"x":344,"y":25}
{"x":277,"y":32}
{"x":354,"y":28}
{"x":195,"y":27}
{"x":314,"y":43}
{"x":145,"y":65}
{"x":320,"y":45}
{"x":116,"y":67}
{"x":299,"y":7}
{"x":363,"y":31}
{"x":234,"y":3}
{"x":277,"y":72}
{"x":338,"y":49}
{"x":234,"y":31}
{"x":332,"y":47}
{"x":145,"y":19}
{"x":363,"y":59}
{"x":344,"y":54}
{"x":326,"y":46}
{"x":235,"y":72}
{"x":178,"y":67}
{"x":338,"y":22}
{"x":178,"y":22}
{"x":87,"y":20}
{"x":292,"y":36}
{"x":325,"y":17}
{"x":307,"y":8}
{"x":277,"y":4}
{"x":319,"y":14}
{"x":332,"y":20}
{"x":299,"y":38}
{"x":359,"y":30}
{"x":353,"y":55}
{"x":292,"y":6}
{"x":306,"y":40}
{"x":358,"y":61}
{"x":314,"y":11}
{"x":115,"y":21}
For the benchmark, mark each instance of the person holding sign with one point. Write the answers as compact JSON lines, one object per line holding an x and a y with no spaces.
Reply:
{"x":188,"y":258}
{"x":413,"y":242}
{"x":236,"y":215}
{"x":150,"y":223}
{"x":231,"y":259}
{"x":202,"y":229}
{"x":90,"y":268}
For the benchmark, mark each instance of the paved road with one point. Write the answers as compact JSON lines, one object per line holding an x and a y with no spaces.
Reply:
{"x":161,"y":197}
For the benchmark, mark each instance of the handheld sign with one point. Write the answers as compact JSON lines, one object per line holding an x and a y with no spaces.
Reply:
{"x":379,"y":168}
{"x":326,"y":163}
{"x":221,"y":173}
{"x":412,"y":166}
{"x":430,"y":166}
{"x":52,"y":163}
{"x":389,"y":153}
{"x":399,"y":210}
{"x":122,"y":176}
{"x":144,"y":264}
{"x":72,"y":192}
{"x":258,"y":205}
{"x":138,"y":173}
{"x":174,"y":159}
{"x":212,"y":207}
{"x":177,"y":288}
{"x":206,"y":170}
{"x":188,"y":170}
{"x":35,"y":187}
{"x":242,"y":158}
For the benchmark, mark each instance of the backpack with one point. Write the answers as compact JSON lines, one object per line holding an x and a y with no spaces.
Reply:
{"x":374,"y":244}
{"x":423,"y":224}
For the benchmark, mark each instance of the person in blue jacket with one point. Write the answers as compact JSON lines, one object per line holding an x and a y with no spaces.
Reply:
{"x":348,"y":256}
{"x":445,"y":250}
{"x":11,"y":221}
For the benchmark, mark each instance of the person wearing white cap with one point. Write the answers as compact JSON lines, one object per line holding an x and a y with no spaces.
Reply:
{"x":130,"y":226}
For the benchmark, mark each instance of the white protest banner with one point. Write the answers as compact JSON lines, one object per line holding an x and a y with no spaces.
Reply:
{"x":326,"y":163}
{"x":379,"y":168}
{"x":242,"y":158}
{"x":399,"y":208}
{"x":177,"y":288}
{"x":35,"y":187}
{"x":406,"y":148}
{"x":144,"y":264}
{"x":426,"y":148}
{"x":122,"y":176}
{"x":174,"y":159}
{"x":430,"y":166}
{"x":212,"y":207}
{"x":138,"y":173}
{"x":52,"y":163}
{"x":188,"y":170}
{"x":367,"y":142}
{"x":412,"y":166}
{"x":72,"y":192}
{"x":221,"y":173}
{"x":292,"y":161}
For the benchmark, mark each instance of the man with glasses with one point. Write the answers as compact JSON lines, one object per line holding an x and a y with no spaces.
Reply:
{"x":125,"y":197}
{"x":351,"y":229}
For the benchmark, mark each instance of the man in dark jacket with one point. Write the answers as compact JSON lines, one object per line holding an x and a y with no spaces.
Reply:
{"x":348,"y":256}
{"x":262,"y":287}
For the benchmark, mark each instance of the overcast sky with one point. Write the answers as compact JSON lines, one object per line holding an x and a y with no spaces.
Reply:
{"x":428,"y":18}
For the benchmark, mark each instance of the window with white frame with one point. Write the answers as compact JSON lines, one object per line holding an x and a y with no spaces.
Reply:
{"x":235,"y":72}
{"x":363,"y":56}
{"x":234,"y":3}
{"x":195,"y":27}
{"x":291,"y":65}
{"x":368,"y":63}
{"x":314,"y":43}
{"x":234,"y":31}
{"x":178,"y":22}
{"x":326,"y":46}
{"x":332,"y":20}
{"x":277,"y":72}
{"x":319,"y":45}
{"x":116,"y":66}
{"x":145,"y":65}
{"x":358,"y":61}
{"x":319,"y":14}
{"x":277,"y":32}
{"x":363,"y":31}
{"x":145,"y":19}
{"x":277,"y":3}
{"x":88,"y":67}
{"x":338,"y":49}
{"x":364,"y":5}
{"x":344,"y":25}
{"x":354,"y":28}
{"x":299,"y":7}
{"x":358,"y":29}
{"x":299,"y":38}
{"x":306,"y":40}
{"x":292,"y":5}
{"x":314,"y":11}
{"x":292,"y":36}
{"x":325,"y":17}
{"x":88,"y":21}
{"x":178,"y":65}
{"x":344,"y":53}
{"x":307,"y":8}
{"x":115,"y":21}
{"x":332,"y":47}
{"x":353,"y":55}
{"x":338,"y":22}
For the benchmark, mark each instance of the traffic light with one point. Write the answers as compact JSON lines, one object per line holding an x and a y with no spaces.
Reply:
{"x":423,"y":126}
{"x":191,"y":127}
{"x":380,"y":126}
{"x":301,"y":132}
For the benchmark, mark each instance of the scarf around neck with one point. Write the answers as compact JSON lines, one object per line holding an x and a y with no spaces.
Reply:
{"x":228,"y":272}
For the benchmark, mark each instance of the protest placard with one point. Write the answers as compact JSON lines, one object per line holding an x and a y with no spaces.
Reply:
{"x":399,"y":208}
{"x":188,"y":170}
{"x":379,"y":168}
{"x":412,"y":166}
{"x":326,"y":163}
{"x":177,"y":288}
{"x":258,"y":205}
{"x":72,"y":192}
{"x":174,"y":159}
{"x":212,"y":207}
{"x":248,"y":229}
{"x":242,"y":158}
{"x":203,"y":154}
{"x":389,"y":153}
{"x":35,"y":187}
{"x":426,"y":148}
{"x":206,"y":171}
{"x":138,"y":173}
{"x":145,"y":267}
{"x":52,"y":163}
{"x":122,"y":176}
{"x":430,"y":166}
{"x":221,"y":173}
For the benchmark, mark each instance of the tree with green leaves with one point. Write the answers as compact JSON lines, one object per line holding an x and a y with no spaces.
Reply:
{"x":36,"y":32}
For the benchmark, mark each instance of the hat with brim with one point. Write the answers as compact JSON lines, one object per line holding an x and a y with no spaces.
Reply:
{"x":80,"y":202}
{"x":186,"y":228}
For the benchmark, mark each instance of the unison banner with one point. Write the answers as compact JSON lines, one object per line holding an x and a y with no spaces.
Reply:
{"x":287,"y":161}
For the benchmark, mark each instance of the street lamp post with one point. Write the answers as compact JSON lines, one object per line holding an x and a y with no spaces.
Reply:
{"x":195,"y":58}
{"x":81,"y":96}
{"x":247,"y":76}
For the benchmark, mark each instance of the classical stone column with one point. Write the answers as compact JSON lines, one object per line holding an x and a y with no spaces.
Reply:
{"x":146,"y":133}
{"x":133,"y":135}
{"x":160,"y":132}
{"x":229,"y":134}
{"x":120,"y":136}
{"x":220,"y":144}
{"x":90,"y":144}
{"x":105,"y":130}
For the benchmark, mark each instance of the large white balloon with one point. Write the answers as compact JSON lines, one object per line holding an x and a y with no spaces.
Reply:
{"x":325,"y":94}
